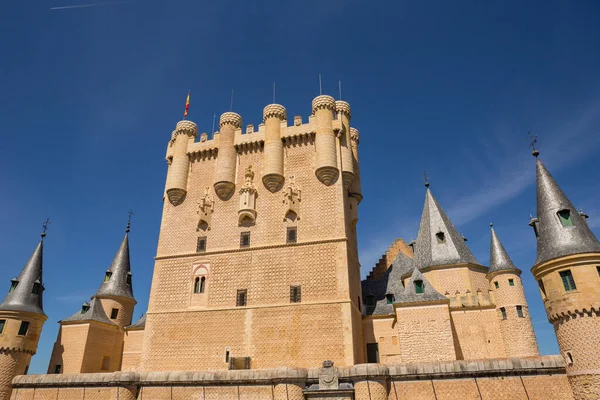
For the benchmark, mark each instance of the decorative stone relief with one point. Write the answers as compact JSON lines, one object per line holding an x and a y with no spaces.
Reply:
{"x":328,"y":376}
{"x":291,"y":198}
{"x":248,"y":193}
{"x":206,"y":207}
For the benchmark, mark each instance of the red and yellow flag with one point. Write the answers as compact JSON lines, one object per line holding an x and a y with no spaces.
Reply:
{"x":187,"y":105}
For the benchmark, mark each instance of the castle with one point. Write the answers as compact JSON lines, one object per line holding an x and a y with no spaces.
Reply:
{"x":257,"y":282}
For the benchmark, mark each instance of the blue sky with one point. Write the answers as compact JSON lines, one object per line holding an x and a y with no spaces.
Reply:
{"x":90,"y":97}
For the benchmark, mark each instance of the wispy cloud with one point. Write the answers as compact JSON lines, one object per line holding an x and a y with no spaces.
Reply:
{"x":514,"y":172}
{"x":88,"y":5}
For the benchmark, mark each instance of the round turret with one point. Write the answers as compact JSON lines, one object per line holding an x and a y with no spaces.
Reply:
{"x":273,"y":177}
{"x":226,"y":158}
{"x":177,"y":175}
{"x":323,"y":108}
{"x":344,"y":115}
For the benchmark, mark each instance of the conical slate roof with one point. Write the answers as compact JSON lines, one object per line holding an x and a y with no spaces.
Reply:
{"x":117,"y":285}
{"x":449,"y":248}
{"x":410,"y":295}
{"x":499,"y":259}
{"x":95,"y":312}
{"x":554,"y":239}
{"x":140,"y":324}
{"x":23,"y":297}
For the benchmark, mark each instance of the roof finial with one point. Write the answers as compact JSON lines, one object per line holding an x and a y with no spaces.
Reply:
{"x":320,"y":86}
{"x":426,"y":176}
{"x":532,"y":141}
{"x":491,"y":224}
{"x":129,"y":221}
{"x":45,"y":227}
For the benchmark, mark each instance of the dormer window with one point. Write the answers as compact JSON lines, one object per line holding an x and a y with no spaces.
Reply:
{"x":565,"y":218}
{"x":441,"y":238}
{"x":13,"y":284}
{"x":36,"y":288}
{"x":419,"y":287}
{"x":85,"y":308}
{"x":129,"y":278}
{"x":107,"y":276}
{"x":390,"y":298}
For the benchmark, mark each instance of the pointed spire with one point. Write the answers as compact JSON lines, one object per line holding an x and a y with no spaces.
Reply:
{"x":559,"y":235}
{"x":26,"y":290}
{"x":438,"y":242}
{"x":418,"y":289}
{"x":499,"y":259}
{"x":117,"y":281}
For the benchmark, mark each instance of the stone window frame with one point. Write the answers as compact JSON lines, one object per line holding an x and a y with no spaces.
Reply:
{"x":114,"y":313}
{"x":511,"y":282}
{"x":200,"y":270}
{"x":24,"y":328}
{"x":201,"y":243}
{"x":520,"y":313}
{"x":290,"y":229}
{"x":503,"y":313}
{"x":243,"y":236}
{"x":497,"y":284}
{"x":568,"y":280}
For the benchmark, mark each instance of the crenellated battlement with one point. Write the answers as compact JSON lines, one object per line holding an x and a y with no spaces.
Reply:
{"x":468,"y":299}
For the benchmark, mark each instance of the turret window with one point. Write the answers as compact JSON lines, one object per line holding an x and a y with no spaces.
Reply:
{"x":114,"y":313}
{"x":241,"y":298}
{"x":2,"y":323}
{"x":503,"y":312}
{"x":57,"y":368}
{"x":107,"y":276}
{"x":419,"y":287}
{"x":245,"y":239}
{"x":565,"y":218}
{"x":129,"y":278}
{"x":496,"y":285}
{"x":13,"y":285}
{"x":23,"y":328}
{"x":520,"y":312}
{"x":568,"y":281}
{"x":390,"y":298}
{"x":441,"y":238}
{"x":201,"y":244}
{"x":292,"y":235}
{"x":295,"y":294}
{"x":511,"y":282}
{"x":36,"y":288}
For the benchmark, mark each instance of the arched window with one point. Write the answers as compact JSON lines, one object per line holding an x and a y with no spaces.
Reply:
{"x":441,"y":238}
{"x":202,"y":284}
{"x":197,"y":285}
{"x":565,"y":218}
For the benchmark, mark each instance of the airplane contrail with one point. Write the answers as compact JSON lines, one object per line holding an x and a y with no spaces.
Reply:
{"x":92,"y":5}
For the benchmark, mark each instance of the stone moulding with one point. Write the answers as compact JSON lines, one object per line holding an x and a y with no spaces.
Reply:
{"x":542,"y":365}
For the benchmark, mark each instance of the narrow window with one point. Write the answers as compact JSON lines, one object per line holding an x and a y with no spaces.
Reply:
{"x":295,"y":294}
{"x":26,"y":370}
{"x":372,"y":353}
{"x":105,"y":364}
{"x":419,"y":286}
{"x":201,"y":244}
{"x":503,"y":312}
{"x":58,"y":369}
{"x":114,"y":313}
{"x":570,"y":357}
{"x":441,"y":238}
{"x":197,"y":285}
{"x":23,"y":328}
{"x":291,"y":236}
{"x":226,"y":356}
{"x":535,"y":230}
{"x":568,"y":281}
{"x":85,"y":308}
{"x":2,"y":323}
{"x":36,"y":288}
{"x":107,"y":276}
{"x":13,"y":285}
{"x":242,"y":294}
{"x":511,"y":282}
{"x":520,"y":312}
{"x":245,"y":239}
{"x":565,"y":217}
{"x":497,"y":285}
{"x":542,"y":288}
{"x":390,"y":298}
{"x":359,"y":305}
{"x":202,"y":284}
{"x":129,"y":278}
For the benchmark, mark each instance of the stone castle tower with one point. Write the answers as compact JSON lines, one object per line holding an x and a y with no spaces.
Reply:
{"x":91,"y":340}
{"x":21,"y":320}
{"x":567,"y":269}
{"x":257,"y":260}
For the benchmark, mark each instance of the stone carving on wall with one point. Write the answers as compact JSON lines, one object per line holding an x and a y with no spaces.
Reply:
{"x":247,"y":209}
{"x":206,"y":205}
{"x":291,"y":198}
{"x":328,"y":376}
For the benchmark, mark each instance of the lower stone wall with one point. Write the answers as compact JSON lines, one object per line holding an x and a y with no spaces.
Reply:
{"x":541,"y":378}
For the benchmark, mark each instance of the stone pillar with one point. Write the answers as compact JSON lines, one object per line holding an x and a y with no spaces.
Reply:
{"x":177,"y":175}
{"x":273,"y":178}
{"x":344,"y":115}
{"x":371,"y":381}
{"x":227,"y":155}
{"x":327,"y":171}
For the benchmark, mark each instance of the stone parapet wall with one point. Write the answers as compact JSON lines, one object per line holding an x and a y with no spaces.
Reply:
{"x":516,"y":378}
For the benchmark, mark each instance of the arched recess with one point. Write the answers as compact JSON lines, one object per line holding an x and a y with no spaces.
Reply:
{"x":202,"y":226}
{"x":290,"y":217}
{"x":199,"y":286}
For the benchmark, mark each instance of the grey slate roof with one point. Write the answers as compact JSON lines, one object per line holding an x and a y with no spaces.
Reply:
{"x":389,"y":283}
{"x":22,"y":298}
{"x":555,"y":240}
{"x":120,"y":268}
{"x":94,"y":313}
{"x":428,"y":252}
{"x":410,"y":295}
{"x":140,"y":323}
{"x":499,"y":259}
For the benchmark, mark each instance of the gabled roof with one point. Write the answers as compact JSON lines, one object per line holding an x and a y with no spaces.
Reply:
{"x":410,"y":294}
{"x":429,"y":251}
{"x":499,"y":259}
{"x":22,"y":297}
{"x":389,"y":283}
{"x":554,"y":240}
{"x":120,"y":268}
{"x":94,"y":313}
{"x":140,"y":324}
